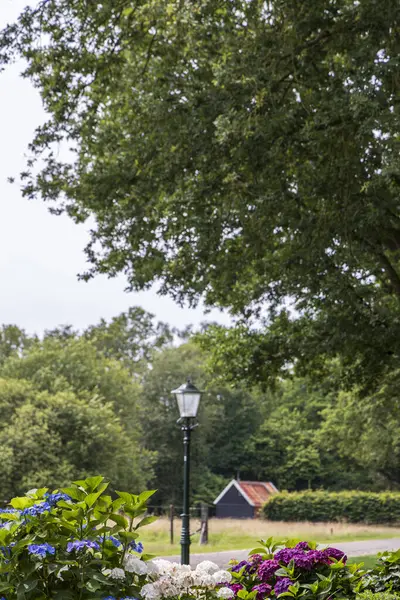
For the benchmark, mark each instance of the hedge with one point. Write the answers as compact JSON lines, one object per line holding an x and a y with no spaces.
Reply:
{"x":320,"y":506}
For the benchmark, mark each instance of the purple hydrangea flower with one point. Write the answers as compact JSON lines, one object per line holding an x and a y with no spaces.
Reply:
{"x":282,"y":585}
{"x":263,"y":589}
{"x":81,"y":544}
{"x":266,"y":570}
{"x":286,"y":555}
{"x":41,"y":549}
{"x":310,"y":559}
{"x":335,"y":553}
{"x":239,"y":566}
{"x":304,"y":561}
{"x":302,"y":546}
{"x":256,"y":559}
{"x":319,"y":557}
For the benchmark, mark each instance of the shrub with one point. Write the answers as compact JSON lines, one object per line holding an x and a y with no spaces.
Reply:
{"x":72,"y":544}
{"x":354,"y":507}
{"x":369,"y":595}
{"x":295,"y":570}
{"x":385,"y":576}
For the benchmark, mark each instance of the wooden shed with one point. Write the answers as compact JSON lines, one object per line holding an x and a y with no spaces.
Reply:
{"x":243,"y":499}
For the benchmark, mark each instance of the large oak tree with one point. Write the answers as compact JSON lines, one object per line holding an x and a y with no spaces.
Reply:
{"x":246,"y":151}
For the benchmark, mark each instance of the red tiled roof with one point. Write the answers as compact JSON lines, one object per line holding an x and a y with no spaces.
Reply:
{"x":257,"y":491}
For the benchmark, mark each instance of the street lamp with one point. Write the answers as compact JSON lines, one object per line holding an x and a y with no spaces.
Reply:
{"x":188,"y":398}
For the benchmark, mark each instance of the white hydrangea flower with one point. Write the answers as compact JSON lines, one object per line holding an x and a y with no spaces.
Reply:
{"x":135,"y":565}
{"x":185,"y":579}
{"x":152,"y":568}
{"x":225,"y":593}
{"x":172,"y":579}
{"x":160,"y":566}
{"x":117,"y":574}
{"x":203,"y":579}
{"x":167,"y":587}
{"x":206,"y":566}
{"x":175,"y":569}
{"x":150,"y":592}
{"x":222,"y":577}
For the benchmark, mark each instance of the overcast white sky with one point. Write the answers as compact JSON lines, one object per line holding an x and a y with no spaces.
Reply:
{"x":41,"y":254}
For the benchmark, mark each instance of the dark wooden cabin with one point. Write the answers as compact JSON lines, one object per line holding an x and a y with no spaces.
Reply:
{"x":243,"y":499}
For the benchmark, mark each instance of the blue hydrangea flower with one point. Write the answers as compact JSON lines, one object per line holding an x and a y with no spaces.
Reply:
{"x":11,"y":511}
{"x":114,"y":540}
{"x":52,"y":499}
{"x":6,"y":551}
{"x":36,"y":510}
{"x":41,"y":549}
{"x":107,"y":598}
{"x":136,"y":546}
{"x":81,"y":544}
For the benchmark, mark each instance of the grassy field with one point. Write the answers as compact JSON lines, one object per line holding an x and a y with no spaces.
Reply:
{"x":241,"y":534}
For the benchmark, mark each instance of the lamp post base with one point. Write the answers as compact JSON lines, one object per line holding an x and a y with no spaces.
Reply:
{"x":185,"y":540}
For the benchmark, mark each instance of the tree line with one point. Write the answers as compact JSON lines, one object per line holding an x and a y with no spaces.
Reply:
{"x":78,"y":403}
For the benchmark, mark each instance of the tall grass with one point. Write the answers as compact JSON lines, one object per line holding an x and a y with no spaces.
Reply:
{"x":241,"y":534}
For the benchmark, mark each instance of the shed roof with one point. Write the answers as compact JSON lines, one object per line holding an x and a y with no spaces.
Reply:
{"x":256,"y":493}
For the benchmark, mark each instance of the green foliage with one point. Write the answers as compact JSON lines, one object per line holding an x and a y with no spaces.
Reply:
{"x":39,"y":554}
{"x":13,"y":341}
{"x":243,"y":151}
{"x":294,"y":448}
{"x":71,"y":363}
{"x":354,"y":507}
{"x":385,"y":576}
{"x":369,"y":595}
{"x":78,"y":414}
{"x":130,"y":338}
{"x":365,"y":429}
{"x":48,"y":437}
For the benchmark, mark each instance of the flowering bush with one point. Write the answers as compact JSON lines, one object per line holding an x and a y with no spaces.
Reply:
{"x":298,"y":570}
{"x":77,"y":543}
{"x":80,"y":544}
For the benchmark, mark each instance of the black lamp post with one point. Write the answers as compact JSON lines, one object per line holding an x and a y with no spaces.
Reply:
{"x":188,"y":398}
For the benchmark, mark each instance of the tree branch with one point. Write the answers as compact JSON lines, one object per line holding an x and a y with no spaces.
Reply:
{"x":391,"y":272}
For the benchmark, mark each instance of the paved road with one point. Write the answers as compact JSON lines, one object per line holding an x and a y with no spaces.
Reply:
{"x":350,"y":548}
